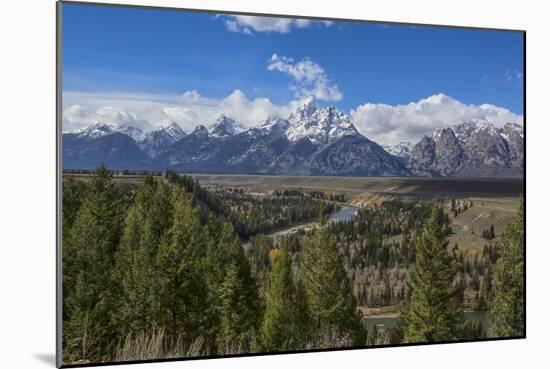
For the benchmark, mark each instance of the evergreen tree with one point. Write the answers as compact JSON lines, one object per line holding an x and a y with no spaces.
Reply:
{"x":240,"y":309}
{"x":215,"y":267}
{"x":74,"y":192}
{"x":507,"y":308}
{"x":146,"y":222}
{"x":88,"y":259}
{"x":433,"y":310}
{"x":182,"y":289}
{"x":286,"y":318}
{"x":333,"y":307}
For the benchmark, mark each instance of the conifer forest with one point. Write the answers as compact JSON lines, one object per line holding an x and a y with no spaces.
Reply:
{"x":167,"y":267}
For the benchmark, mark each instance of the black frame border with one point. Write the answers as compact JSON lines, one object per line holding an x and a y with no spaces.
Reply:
{"x":59,"y":181}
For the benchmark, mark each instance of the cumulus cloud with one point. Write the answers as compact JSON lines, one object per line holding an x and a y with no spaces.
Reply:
{"x":149,"y":111}
{"x":249,"y":24}
{"x":310,"y":79}
{"x":385,"y":124}
{"x":388,"y":124}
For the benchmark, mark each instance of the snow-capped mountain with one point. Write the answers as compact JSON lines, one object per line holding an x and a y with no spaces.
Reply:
{"x":402,"y":149}
{"x":225,"y":126}
{"x":102,"y":143}
{"x":311,"y":141}
{"x":97,"y":130}
{"x":320,"y":126}
{"x":135,"y":133}
{"x":510,"y":129}
{"x":100,"y":129}
{"x":201,"y":131}
{"x":269,"y":125}
{"x":472,"y":148}
{"x":468,"y":129}
{"x":158,"y":140}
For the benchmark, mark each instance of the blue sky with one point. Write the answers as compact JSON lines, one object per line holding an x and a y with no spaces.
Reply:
{"x":161,"y":54}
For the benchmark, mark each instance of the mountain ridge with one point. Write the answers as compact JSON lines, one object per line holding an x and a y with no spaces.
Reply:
{"x":311,"y":141}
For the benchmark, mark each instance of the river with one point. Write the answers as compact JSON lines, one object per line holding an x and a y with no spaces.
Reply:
{"x":345,"y":213}
{"x":390,"y":322}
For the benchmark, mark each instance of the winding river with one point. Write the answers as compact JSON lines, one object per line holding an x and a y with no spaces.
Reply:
{"x":345,"y":213}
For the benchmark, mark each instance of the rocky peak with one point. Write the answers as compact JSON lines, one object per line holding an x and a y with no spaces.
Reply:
{"x":174,"y":131}
{"x":320,"y":126}
{"x":225,"y":126}
{"x":304,"y":111}
{"x":402,"y":149}
{"x":200,"y":131}
{"x":97,"y":129}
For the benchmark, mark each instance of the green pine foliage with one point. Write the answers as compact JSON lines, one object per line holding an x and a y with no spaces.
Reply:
{"x":240,"y":308}
{"x":169,"y":268}
{"x":333,"y":307}
{"x":138,"y":260}
{"x":286,"y":323}
{"x":507,"y":306}
{"x":182,"y":290}
{"x":88,"y":260}
{"x":146,"y":223}
{"x":433,"y":311}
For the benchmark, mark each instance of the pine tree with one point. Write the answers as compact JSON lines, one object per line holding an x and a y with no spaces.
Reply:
{"x":74,"y":192}
{"x":146,"y":222}
{"x":433,"y":310}
{"x":333,"y":307}
{"x":286,"y":319}
{"x":216,"y":262}
{"x":507,"y":306}
{"x":182,"y":289}
{"x":240,"y":309}
{"x":88,"y":259}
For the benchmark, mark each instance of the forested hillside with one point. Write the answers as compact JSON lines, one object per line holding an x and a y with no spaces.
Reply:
{"x":168,"y":268}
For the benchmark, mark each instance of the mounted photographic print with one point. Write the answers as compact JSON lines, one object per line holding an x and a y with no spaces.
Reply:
{"x":239,"y":184}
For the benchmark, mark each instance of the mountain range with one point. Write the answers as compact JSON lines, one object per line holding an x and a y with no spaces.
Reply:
{"x":311,"y":141}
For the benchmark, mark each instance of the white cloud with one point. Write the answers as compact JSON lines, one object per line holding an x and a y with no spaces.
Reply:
{"x":310,"y":78}
{"x":148,"y":111}
{"x":249,"y":24}
{"x":387,"y":124}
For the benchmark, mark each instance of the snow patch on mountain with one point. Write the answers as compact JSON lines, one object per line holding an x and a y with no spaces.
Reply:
{"x":401,"y":149}
{"x":96,"y":130}
{"x":320,"y":126}
{"x":225,"y":126}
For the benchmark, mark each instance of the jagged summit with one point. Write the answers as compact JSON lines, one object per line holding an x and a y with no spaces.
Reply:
{"x":270,"y":124}
{"x":321,"y":126}
{"x":225,"y":126}
{"x":97,"y":129}
{"x":174,"y":130}
{"x":475,"y":148}
{"x":200,"y":130}
{"x":471,"y":127}
{"x":156,"y":141}
{"x":313,"y":140}
{"x":402,"y":149}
